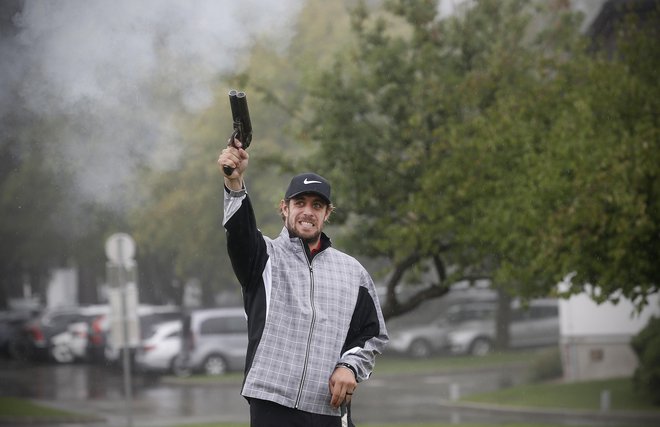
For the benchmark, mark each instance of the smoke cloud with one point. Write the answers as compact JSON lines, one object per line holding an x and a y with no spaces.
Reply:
{"x":116,"y":73}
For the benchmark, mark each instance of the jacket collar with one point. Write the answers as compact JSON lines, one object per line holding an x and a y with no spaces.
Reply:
{"x":294,"y":242}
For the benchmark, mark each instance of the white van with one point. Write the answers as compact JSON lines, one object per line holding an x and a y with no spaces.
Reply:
{"x":214,"y":340}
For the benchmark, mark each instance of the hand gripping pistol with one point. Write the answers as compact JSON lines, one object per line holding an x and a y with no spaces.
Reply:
{"x":242,"y":124}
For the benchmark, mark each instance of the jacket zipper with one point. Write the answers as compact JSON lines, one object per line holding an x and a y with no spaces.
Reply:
{"x":311,"y":328}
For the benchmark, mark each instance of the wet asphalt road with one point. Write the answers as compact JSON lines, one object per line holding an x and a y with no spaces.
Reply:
{"x":98,"y":390}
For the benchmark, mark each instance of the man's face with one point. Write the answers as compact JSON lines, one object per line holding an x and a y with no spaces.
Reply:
{"x":304,"y":216}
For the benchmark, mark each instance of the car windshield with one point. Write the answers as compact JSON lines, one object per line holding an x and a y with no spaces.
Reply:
{"x":471,"y":313}
{"x":149,"y":321}
{"x":424,"y":314}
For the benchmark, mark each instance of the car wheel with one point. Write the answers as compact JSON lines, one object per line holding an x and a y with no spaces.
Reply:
{"x":215,"y":365}
{"x":420,"y":349}
{"x":481,"y":346}
{"x":62,"y":354}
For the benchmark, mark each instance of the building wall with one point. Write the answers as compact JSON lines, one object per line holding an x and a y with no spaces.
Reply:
{"x":598,"y":357}
{"x":595,"y":339}
{"x":62,"y":288}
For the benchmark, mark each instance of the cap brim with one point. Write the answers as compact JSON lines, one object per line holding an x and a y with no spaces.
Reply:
{"x":321,"y":195}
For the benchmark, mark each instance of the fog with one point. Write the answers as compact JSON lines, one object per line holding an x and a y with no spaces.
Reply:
{"x":116,"y":74}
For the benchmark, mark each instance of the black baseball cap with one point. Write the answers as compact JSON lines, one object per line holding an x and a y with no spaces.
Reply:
{"x":308,"y":183}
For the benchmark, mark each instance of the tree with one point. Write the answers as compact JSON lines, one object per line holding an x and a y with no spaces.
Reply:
{"x":483,"y":142}
{"x":178,"y":228}
{"x":608,"y":231}
{"x":43,"y":224}
{"x":646,"y":345}
{"x":583,"y":163}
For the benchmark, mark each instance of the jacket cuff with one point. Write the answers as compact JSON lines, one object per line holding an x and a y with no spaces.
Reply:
{"x":348,"y":366}
{"x":239,"y":193}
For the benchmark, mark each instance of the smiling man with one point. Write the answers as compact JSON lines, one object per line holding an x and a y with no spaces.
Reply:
{"x":315,"y":324}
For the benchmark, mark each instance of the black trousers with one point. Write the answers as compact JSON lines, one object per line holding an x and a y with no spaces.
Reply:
{"x":264,"y":413}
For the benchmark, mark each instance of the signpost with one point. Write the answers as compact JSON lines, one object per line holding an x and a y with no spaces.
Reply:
{"x":121,"y":272}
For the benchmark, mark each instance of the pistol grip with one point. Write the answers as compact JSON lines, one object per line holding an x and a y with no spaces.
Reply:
{"x":228,"y":170}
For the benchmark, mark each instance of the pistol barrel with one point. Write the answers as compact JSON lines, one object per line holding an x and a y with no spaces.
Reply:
{"x":241,"y":116}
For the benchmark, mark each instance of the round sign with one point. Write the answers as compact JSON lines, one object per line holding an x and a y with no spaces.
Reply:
{"x":120,"y":248}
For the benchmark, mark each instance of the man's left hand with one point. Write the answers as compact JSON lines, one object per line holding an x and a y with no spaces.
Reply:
{"x":342,"y":385}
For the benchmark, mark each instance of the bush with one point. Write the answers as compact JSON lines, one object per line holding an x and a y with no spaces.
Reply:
{"x":547,"y":366}
{"x":646,"y":345}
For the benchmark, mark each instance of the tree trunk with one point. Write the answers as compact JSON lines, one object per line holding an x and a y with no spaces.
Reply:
{"x":502,"y":320}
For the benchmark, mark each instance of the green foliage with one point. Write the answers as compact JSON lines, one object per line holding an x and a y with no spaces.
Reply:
{"x":495,"y":143}
{"x":43,"y":224}
{"x":179,"y":226}
{"x":16,"y":408}
{"x":608,"y":228}
{"x":646,"y":345}
{"x":28,"y":203}
{"x":546,"y":366}
{"x":489,"y":144}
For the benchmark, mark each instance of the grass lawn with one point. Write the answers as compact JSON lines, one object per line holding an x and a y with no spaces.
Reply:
{"x":13,"y":407}
{"x":392,"y":365}
{"x":581,"y":395}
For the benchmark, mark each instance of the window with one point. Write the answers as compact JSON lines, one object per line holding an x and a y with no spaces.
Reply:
{"x":544,"y":311}
{"x":62,"y":320}
{"x":223,"y":325}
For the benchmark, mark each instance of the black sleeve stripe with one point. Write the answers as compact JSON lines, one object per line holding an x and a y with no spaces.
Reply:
{"x":364,"y":323}
{"x":246,"y":246}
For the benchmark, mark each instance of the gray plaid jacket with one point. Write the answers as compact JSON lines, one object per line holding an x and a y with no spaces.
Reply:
{"x":303,"y":317}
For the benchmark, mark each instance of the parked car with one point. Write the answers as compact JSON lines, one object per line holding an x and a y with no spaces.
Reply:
{"x":11,"y":324}
{"x":468,"y":327}
{"x":159,"y":351}
{"x":214,"y":340}
{"x":423,"y":332}
{"x":148,"y":315}
{"x":418,"y":336}
{"x":531,"y":326}
{"x":72,"y":344}
{"x":35,"y":339}
{"x":97,"y":337}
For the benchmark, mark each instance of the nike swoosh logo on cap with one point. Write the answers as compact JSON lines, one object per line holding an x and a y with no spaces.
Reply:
{"x":311,"y":182}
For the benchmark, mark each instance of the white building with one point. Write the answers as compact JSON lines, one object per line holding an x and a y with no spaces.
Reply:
{"x":595,"y":339}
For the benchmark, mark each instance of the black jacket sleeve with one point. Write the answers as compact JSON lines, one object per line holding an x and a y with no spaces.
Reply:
{"x":245,"y":243}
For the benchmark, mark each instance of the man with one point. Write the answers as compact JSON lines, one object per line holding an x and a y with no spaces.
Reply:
{"x":314,"y":321}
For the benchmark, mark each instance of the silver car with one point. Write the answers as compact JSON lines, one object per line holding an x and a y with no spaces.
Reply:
{"x":423,"y":332}
{"x":468,"y":327}
{"x":158,"y":352}
{"x":473,"y":332}
{"x":419,"y":336}
{"x":214,"y":340}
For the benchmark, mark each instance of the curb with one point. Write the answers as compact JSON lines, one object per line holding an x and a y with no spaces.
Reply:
{"x":613,"y":415}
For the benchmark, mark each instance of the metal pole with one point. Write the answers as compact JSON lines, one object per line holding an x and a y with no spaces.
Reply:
{"x":128,"y":390}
